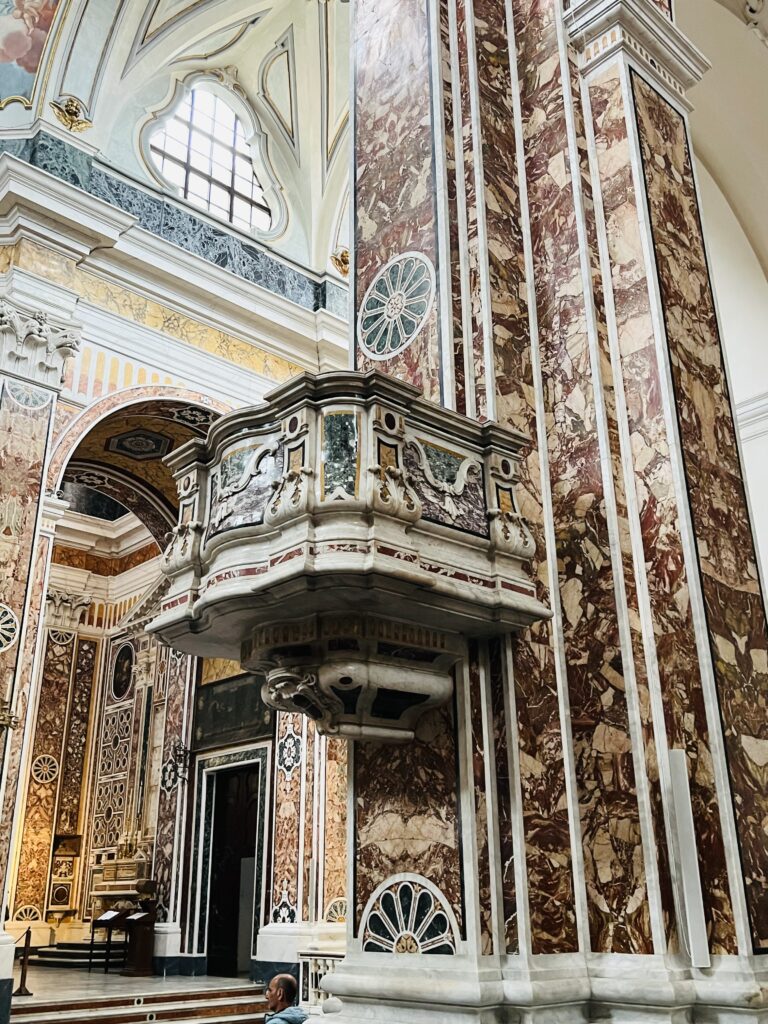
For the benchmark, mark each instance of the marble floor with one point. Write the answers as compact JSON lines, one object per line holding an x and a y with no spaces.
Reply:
{"x":58,"y":985}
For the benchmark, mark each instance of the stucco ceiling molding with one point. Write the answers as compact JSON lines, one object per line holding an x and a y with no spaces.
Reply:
{"x":222,"y":82}
{"x":220,"y":14}
{"x":334,"y":129}
{"x":286,"y":122}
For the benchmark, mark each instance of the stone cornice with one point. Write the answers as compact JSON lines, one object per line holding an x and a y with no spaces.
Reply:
{"x":36,"y":205}
{"x":600,"y":29}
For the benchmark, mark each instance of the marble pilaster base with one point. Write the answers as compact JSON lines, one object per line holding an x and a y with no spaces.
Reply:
{"x":165,"y":960}
{"x":546,"y":990}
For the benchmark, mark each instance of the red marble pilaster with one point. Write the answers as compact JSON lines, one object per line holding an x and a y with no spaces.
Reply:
{"x":727,"y":561}
{"x":674,"y":654}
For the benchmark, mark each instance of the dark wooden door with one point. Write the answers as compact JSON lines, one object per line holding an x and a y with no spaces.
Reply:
{"x":235,"y":820}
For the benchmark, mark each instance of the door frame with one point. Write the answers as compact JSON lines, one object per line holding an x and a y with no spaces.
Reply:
{"x":207,"y":767}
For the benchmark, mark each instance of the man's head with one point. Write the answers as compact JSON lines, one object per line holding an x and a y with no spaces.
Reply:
{"x":281,"y":992}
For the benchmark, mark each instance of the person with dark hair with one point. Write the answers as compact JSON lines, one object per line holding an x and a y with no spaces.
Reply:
{"x":281,"y":995}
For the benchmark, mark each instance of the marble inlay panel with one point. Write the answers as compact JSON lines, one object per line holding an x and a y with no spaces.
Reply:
{"x":504,"y":783}
{"x":24,"y":426}
{"x":15,"y":738}
{"x":70,"y":791}
{"x":175,"y":668}
{"x":394,"y":171}
{"x":406,"y":811}
{"x":25,"y":414}
{"x":289,"y":766}
{"x":46,"y":757}
{"x":500,"y":196}
{"x":725,"y":545}
{"x":545,"y":816}
{"x":311,"y":781}
{"x":335,"y":846}
{"x":606,"y":384}
{"x":452,"y":117}
{"x":666,"y":579}
{"x":480,"y":801}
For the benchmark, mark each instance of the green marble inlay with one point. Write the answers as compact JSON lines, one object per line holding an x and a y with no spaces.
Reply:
{"x":443,"y":465}
{"x":340,"y":447}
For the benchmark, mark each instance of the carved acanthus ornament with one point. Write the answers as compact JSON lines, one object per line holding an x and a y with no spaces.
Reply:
{"x":33,"y":349}
{"x":65,"y":611}
{"x":344,"y":538}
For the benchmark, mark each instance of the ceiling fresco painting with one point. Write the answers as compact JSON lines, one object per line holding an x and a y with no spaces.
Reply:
{"x":24,"y":29}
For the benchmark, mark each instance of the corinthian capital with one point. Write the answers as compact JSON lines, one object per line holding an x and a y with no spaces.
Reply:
{"x":32,"y":348}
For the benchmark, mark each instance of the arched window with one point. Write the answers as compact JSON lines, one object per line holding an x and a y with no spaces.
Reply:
{"x":203,"y":150}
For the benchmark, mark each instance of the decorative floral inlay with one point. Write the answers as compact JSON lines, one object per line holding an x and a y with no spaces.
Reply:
{"x":9,"y":628}
{"x":409,"y":916}
{"x":396,"y":305}
{"x":289,"y":752}
{"x":170,"y":775}
{"x":45,"y":768}
{"x":284,"y":912}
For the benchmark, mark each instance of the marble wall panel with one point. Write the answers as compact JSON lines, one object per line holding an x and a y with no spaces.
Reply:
{"x":452,"y":119}
{"x":560,"y":311}
{"x":25,"y":415}
{"x":14,"y":739}
{"x":73,"y":759}
{"x":657,"y":501}
{"x":499,"y":197}
{"x":407,"y":813}
{"x":505,"y":807}
{"x":727,"y":559}
{"x":45,"y":777}
{"x":482,"y":845}
{"x":395,"y":181}
{"x":311,"y":784}
{"x":76,"y":558}
{"x":175,"y":668}
{"x":286,"y":856}
{"x":335,"y":846}
{"x":621,"y":519}
{"x":469,"y":259}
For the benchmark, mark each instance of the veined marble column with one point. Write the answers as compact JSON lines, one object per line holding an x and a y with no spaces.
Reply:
{"x":529,"y":249}
{"x":33,"y":353}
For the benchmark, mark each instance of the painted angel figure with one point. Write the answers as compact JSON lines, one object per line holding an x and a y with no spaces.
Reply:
{"x":31,"y":12}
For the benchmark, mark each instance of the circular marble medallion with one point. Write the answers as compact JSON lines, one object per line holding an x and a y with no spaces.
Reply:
{"x":9,"y":628}
{"x":45,"y":768}
{"x":396,"y":306}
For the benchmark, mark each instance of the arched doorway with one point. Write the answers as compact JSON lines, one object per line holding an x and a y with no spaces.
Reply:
{"x":112,"y":716}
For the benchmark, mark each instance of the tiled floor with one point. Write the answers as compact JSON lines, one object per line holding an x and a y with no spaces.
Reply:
{"x":52,"y":985}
